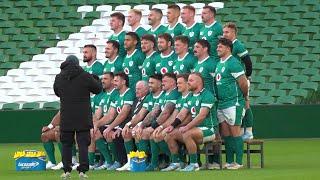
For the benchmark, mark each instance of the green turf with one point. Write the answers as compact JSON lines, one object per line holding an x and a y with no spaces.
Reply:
{"x":284,"y":159}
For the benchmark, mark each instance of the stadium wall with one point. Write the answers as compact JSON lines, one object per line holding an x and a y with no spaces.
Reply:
{"x":276,"y":121}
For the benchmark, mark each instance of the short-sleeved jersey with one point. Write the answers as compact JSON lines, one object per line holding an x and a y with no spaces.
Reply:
{"x":106,"y":100}
{"x":114,"y":66}
{"x":192,"y":33}
{"x":149,"y":65}
{"x":184,"y":64}
{"x":228,"y":91}
{"x":176,"y":30}
{"x":165,"y":63}
{"x":132,"y":65}
{"x":171,"y":96}
{"x":157,"y":31}
{"x":95,"y":68}
{"x":155,"y":100}
{"x":203,"y":99}
{"x":126,"y":98}
{"x":95,"y":100}
{"x":140,"y":31}
{"x":206,"y":68}
{"x":212,"y":33}
{"x":120,"y":38}
{"x":181,"y":102}
{"x":239,"y":51}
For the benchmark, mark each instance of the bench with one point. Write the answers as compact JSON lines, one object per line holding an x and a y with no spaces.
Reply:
{"x":215,"y":147}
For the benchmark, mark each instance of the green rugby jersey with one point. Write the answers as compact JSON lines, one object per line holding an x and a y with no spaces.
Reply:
{"x":132,"y":67}
{"x":140,"y":31}
{"x":176,"y":30}
{"x":95,"y":100}
{"x":120,"y":38}
{"x":212,"y":33}
{"x":149,"y":66}
{"x":181,"y":102}
{"x":165,"y":63}
{"x":157,"y":31}
{"x":171,"y":96}
{"x":206,"y":68}
{"x":114,"y":66}
{"x":154,"y":100}
{"x":193,"y":33}
{"x":228,"y":91}
{"x":239,"y":51}
{"x":95,"y":68}
{"x":106,"y":100}
{"x":203,"y":99}
{"x":185,"y":64}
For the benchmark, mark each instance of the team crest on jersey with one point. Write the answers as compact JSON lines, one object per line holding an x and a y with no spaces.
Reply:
{"x":181,"y":67}
{"x":143,"y":71}
{"x":126,"y":70}
{"x":201,"y":33}
{"x":130,"y":63}
{"x":197,"y":103}
{"x":158,"y":64}
{"x":118,"y":109}
{"x":105,"y":109}
{"x":191,"y":34}
{"x":209,"y":33}
{"x":172,"y":35}
{"x":112,"y":69}
{"x":200,"y":69}
{"x":223,"y":68}
{"x":170,"y":63}
{"x":218,"y":77}
{"x":164,"y":70}
{"x":148,"y":64}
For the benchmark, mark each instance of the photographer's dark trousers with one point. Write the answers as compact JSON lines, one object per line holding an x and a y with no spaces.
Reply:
{"x":83,"y":140}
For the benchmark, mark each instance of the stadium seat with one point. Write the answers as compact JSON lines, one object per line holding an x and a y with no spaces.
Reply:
{"x":299,"y":93}
{"x":278,"y":65}
{"x":18,"y":17}
{"x":316,"y":50}
{"x":261,"y":10}
{"x":269,"y":44}
{"x":300,"y":51}
{"x":299,"y":78}
{"x":270,"y":59}
{"x":266,"y":86}
{"x":30,"y":105}
{"x":270,"y":30}
{"x":290,"y":58}
{"x":310,"y":58}
{"x":310,"y":15}
{"x":264,"y":100}
{"x":249,"y":31}
{"x":279,"y":37}
{"x":257,"y":93}
{"x":309,"y":86}
{"x":250,"y":18}
{"x":51,"y":105}
{"x":258,"y":52}
{"x":288,"y":86}
{"x":41,"y":3}
{"x":311,"y":44}
{"x":300,"y":65}
{"x":289,"y":72}
{"x":291,"y":16}
{"x":278,"y":79}
{"x":279,"y":51}
{"x":279,"y":23}
{"x":310,"y":71}
{"x":10,"y":106}
{"x":9,"y":65}
{"x":316,"y":64}
{"x":301,"y":22}
{"x":58,"y":3}
{"x":315,"y":78}
{"x":286,"y":100}
{"x":281,"y":9}
{"x":272,"y":17}
{"x":290,"y":44}
{"x":276,"y":93}
{"x":300,"y":37}
{"x":290,"y":30}
{"x":36,"y":16}
{"x":268,"y":72}
{"x":260,"y":24}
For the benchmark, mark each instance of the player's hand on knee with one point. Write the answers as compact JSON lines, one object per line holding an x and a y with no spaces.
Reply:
{"x":45,"y":129}
{"x":125,"y":130}
{"x":183,"y":129}
{"x":116,"y":134}
{"x":168,"y":129}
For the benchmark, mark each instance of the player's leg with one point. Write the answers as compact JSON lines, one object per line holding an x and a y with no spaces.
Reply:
{"x":112,"y":146}
{"x":155,"y":151}
{"x":102,"y":146}
{"x":47,"y":139}
{"x":247,"y":122}
{"x":129,"y":146}
{"x":172,"y":140}
{"x":143,"y":142}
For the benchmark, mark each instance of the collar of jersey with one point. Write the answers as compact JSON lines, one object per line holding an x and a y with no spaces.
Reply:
{"x":136,"y":28}
{"x":183,"y":97}
{"x":119,"y":32}
{"x":158,"y":95}
{"x":111,"y":91}
{"x":191,"y":25}
{"x":170,"y":28}
{"x":124,"y":92}
{"x":199,"y":92}
{"x":226,"y":59}
{"x":167,"y":93}
{"x":163,"y":56}
{"x":234,"y":41}
{"x":153,"y":30}
{"x":203,"y":60}
{"x":92,"y":64}
{"x":129,"y":56}
{"x":208,"y":26}
{"x":183,"y":57}
{"x":150,"y":54}
{"x":111,"y":62}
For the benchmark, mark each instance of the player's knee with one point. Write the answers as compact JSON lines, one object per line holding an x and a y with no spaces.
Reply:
{"x":44,"y":137}
{"x":186,"y":136}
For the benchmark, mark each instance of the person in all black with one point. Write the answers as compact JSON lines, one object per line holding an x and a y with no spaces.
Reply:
{"x":73,"y":85}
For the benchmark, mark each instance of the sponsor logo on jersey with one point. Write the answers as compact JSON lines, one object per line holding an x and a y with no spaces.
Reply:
{"x":181,"y":67}
{"x":200,"y":69}
{"x":197,"y":103}
{"x":193,"y":110}
{"x":118,"y":109}
{"x":112,"y":69}
{"x":148,"y":64}
{"x":209,"y":33}
{"x":223,"y":68}
{"x":130,"y":63}
{"x":191,"y":34}
{"x":170,"y":63}
{"x":143,"y":71}
{"x":126,"y":70}
{"x":218,"y":77}
{"x":164,"y":70}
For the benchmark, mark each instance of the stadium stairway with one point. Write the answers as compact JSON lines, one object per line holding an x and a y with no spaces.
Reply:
{"x":282,"y":38}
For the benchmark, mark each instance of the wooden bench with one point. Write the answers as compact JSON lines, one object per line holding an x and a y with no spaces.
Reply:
{"x":215,"y":147}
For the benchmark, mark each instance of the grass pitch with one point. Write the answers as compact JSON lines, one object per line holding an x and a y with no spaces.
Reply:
{"x":284,"y":159}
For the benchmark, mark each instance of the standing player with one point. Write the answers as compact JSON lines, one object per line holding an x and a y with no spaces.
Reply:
{"x":90,"y":57}
{"x":211,"y":30}
{"x":192,"y":28}
{"x":241,"y":53}
{"x":167,"y":56}
{"x":134,"y":18}
{"x":174,"y":28}
{"x":114,"y":61}
{"x":133,"y":60}
{"x":154,"y":19}
{"x":206,"y":64}
{"x":232,"y":91}
{"x":148,"y":46}
{"x":116,"y":24}
{"x":185,"y":61}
